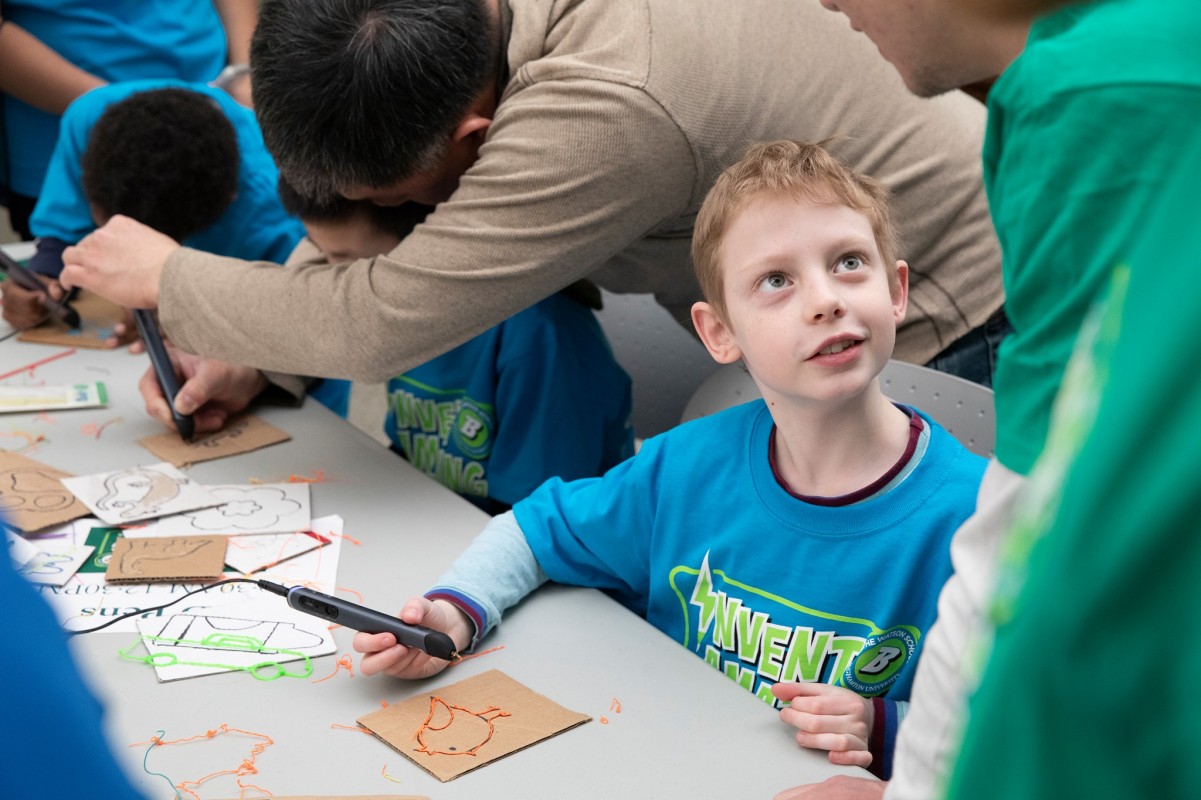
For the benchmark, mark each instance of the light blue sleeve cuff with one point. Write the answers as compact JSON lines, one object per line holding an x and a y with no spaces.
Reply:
{"x":493,"y":574}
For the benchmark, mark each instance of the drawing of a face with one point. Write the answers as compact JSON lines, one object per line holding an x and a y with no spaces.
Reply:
{"x":137,"y":492}
{"x":32,"y":490}
{"x":454,"y":730}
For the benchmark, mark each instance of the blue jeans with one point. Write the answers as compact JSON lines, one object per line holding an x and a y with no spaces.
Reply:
{"x":973,"y":356}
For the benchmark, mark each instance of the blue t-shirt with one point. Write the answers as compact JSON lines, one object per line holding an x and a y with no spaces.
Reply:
{"x":696,"y":535}
{"x":255,"y":227}
{"x":115,"y":40}
{"x":538,"y":396}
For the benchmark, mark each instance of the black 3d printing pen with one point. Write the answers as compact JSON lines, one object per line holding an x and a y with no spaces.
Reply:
{"x":360,"y":618}
{"x":22,"y":277}
{"x":164,"y":370}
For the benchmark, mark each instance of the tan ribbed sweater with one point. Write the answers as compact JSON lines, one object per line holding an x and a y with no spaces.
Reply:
{"x":616,"y":119}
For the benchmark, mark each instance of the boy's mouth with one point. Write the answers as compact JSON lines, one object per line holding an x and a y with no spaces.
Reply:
{"x":836,"y":346}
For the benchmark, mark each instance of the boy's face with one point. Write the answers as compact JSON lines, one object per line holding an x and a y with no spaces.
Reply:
{"x":808,"y":303}
{"x":350,"y":239}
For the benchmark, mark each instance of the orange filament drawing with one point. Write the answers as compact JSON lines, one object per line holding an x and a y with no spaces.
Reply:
{"x":31,"y":367}
{"x":347,"y":538}
{"x":92,"y":429}
{"x":341,"y":727}
{"x":461,"y":659}
{"x":44,"y":417}
{"x":384,"y":771}
{"x":345,"y":662}
{"x":604,"y":720}
{"x":31,"y":440}
{"x":615,"y":706}
{"x":246,"y":767}
{"x":318,"y":477}
{"x":468,"y":726}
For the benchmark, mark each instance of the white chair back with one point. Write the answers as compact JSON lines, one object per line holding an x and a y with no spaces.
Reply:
{"x":964,"y":408}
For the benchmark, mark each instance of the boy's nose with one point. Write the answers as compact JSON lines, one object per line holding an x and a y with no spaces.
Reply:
{"x":823,"y":303}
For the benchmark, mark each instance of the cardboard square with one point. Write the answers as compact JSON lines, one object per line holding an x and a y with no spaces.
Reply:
{"x":241,"y":434}
{"x":32,"y":495}
{"x":188,"y":559}
{"x":97,"y":317}
{"x":137,"y":493}
{"x":457,"y":728}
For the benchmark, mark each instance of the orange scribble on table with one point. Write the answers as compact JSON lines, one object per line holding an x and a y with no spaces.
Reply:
{"x":461,"y":659}
{"x":31,"y":440}
{"x":30,"y":368}
{"x":318,"y":477}
{"x":384,"y":771}
{"x":94,"y":430}
{"x":246,"y":767}
{"x":345,"y":662}
{"x":44,"y":417}
{"x":604,"y":720}
{"x":615,"y":706}
{"x":359,"y":728}
{"x":456,"y":731}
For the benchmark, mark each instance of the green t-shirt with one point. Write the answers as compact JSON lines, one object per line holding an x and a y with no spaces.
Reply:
{"x":1084,"y":129}
{"x":1090,"y":691}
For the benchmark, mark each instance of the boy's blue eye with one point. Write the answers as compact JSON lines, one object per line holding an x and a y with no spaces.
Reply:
{"x":773,"y":282}
{"x":849,"y":264}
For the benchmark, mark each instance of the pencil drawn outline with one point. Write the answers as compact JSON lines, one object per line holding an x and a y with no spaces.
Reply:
{"x":138,"y":492}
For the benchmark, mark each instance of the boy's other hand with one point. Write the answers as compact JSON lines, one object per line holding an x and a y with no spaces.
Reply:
{"x":840,"y":787}
{"x":381,"y":653}
{"x":23,"y":308}
{"x":212,"y":390}
{"x":829,"y":718}
{"x":121,"y":261}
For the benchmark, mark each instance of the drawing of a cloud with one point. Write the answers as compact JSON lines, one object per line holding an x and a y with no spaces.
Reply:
{"x":248,"y":508}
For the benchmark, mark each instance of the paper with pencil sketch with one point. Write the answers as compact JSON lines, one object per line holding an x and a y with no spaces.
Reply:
{"x":251,"y":554}
{"x":138,"y":493}
{"x":263,"y":508}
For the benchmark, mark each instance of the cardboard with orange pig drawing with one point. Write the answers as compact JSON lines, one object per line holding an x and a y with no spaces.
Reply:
{"x":457,"y":728}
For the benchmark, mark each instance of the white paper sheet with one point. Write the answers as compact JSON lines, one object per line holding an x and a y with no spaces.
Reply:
{"x":137,"y":493}
{"x":265,"y":508}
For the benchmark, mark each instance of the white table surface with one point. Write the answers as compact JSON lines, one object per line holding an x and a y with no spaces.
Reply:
{"x":684,"y":731}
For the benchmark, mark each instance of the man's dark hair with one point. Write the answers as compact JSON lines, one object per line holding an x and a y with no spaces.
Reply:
{"x":365,"y":92}
{"x":399,"y":220}
{"x":166,"y":157}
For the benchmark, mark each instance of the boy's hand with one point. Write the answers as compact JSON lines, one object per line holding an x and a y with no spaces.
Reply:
{"x":381,"y":653}
{"x":212,"y":390}
{"x":23,"y":308}
{"x":829,"y":718}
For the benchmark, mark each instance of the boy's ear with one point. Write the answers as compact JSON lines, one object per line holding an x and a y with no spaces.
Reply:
{"x":472,"y":124}
{"x":900,"y":295}
{"x":715,"y":334}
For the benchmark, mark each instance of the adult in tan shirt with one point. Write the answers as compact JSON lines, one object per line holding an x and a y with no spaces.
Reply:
{"x":563,"y":140}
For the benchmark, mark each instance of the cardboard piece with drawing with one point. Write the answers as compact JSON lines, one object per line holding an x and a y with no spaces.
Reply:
{"x":32,"y":495}
{"x":97,"y":317}
{"x":454,"y":729}
{"x":191,"y":559}
{"x":242,"y":434}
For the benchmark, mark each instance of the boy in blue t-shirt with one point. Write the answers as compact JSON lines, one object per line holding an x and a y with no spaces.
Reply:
{"x":536,"y":397}
{"x":798,"y":542}
{"x":185,"y":159}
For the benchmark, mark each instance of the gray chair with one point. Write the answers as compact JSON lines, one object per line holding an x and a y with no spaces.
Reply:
{"x":964,"y":408}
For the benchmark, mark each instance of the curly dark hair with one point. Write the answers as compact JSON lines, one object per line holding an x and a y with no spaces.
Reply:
{"x":366,"y":92}
{"x":166,"y":157}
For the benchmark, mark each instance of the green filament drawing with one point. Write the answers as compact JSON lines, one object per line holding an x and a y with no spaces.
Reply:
{"x":266,"y":670}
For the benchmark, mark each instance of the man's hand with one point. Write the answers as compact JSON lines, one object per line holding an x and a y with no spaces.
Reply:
{"x":840,"y":787}
{"x":212,"y":390}
{"x":122,"y":261}
{"x":383,"y":654}
{"x":23,"y":308}
{"x":829,"y":718}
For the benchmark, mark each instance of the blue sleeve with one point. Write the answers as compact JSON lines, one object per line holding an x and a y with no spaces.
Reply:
{"x":557,"y":402}
{"x":44,"y":695}
{"x":62,"y":209}
{"x":492,"y":575}
{"x":883,"y":740}
{"x":597,"y":532}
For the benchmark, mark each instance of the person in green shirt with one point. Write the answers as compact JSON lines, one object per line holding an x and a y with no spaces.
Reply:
{"x":1094,"y":108}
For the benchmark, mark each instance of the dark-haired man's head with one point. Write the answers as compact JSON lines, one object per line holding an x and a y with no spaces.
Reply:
{"x":385,"y":100}
{"x":166,"y":157}
{"x":346,"y":230}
